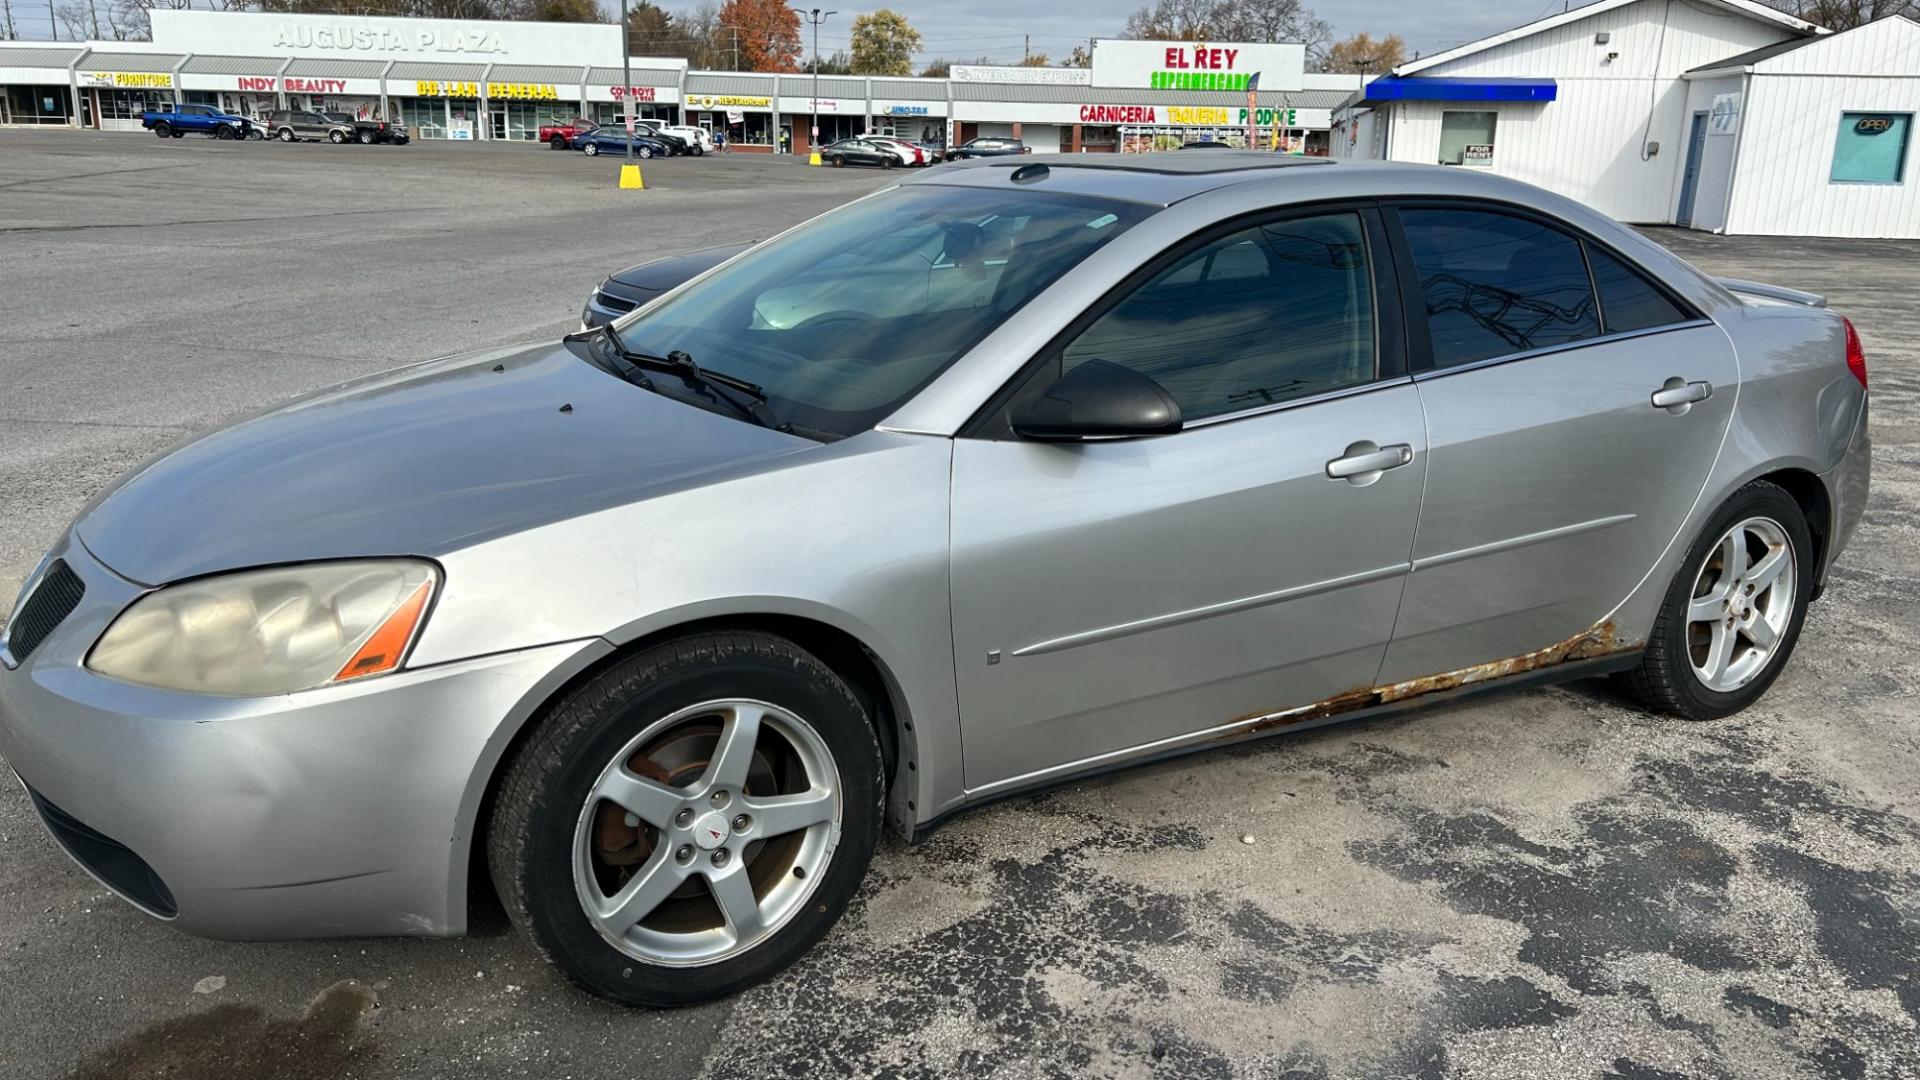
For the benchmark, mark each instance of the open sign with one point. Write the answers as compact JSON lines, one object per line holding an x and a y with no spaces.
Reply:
{"x":1872,"y":125}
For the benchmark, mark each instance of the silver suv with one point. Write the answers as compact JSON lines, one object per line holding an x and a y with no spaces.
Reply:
{"x":295,"y":125}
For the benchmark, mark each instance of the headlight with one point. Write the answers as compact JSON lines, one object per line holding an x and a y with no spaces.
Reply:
{"x":273,"y":631}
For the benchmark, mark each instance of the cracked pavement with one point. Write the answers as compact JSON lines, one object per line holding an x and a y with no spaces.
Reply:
{"x":1548,"y":883}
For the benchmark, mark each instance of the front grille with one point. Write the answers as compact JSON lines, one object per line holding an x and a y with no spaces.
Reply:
{"x":107,"y":859}
{"x":54,"y":599}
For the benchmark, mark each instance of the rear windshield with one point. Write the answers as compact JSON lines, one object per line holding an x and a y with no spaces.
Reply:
{"x":844,"y":319}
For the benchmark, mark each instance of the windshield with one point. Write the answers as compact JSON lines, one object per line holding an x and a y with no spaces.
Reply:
{"x":844,"y":319}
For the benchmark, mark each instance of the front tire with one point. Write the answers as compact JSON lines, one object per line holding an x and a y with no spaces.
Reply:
{"x":886,"y":163}
{"x":837,"y":161}
{"x":691,"y":821}
{"x":643,"y":152}
{"x":1734,"y":612}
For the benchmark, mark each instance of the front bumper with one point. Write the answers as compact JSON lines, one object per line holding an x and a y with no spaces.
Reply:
{"x":332,"y":812}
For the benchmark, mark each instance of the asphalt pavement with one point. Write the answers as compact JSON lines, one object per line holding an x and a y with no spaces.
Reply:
{"x":1545,"y":884}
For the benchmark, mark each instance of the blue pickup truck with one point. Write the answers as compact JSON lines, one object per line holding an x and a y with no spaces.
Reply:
{"x":205,"y":119}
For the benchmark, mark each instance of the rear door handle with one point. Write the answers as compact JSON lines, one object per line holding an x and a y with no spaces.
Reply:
{"x":1678,"y":395}
{"x":1364,"y":461}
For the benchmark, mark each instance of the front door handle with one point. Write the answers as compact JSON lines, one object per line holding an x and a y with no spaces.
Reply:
{"x":1679,"y":395}
{"x":1363,"y":462}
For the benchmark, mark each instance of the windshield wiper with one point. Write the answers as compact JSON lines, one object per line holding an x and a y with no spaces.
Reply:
{"x":752,"y":402}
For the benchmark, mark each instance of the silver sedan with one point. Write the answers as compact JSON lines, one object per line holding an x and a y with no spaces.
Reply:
{"x":1003,"y":475}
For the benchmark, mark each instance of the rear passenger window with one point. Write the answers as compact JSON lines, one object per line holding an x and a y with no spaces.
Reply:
{"x":1628,"y":301}
{"x":1264,"y":315}
{"x":1497,"y":284}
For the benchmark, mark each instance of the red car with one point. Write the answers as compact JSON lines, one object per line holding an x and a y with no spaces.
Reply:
{"x":560,"y":136}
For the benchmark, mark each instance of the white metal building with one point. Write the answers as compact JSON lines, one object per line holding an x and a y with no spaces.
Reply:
{"x":1719,"y":114}
{"x":1810,"y":137}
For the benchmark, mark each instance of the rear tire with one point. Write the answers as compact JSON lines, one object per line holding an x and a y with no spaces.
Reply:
{"x":286,"y":135}
{"x":163,"y":129}
{"x":336,"y":137}
{"x":557,"y":143}
{"x":1746,"y":597}
{"x":591,"y":149}
{"x":366,"y":138}
{"x":645,"y":717}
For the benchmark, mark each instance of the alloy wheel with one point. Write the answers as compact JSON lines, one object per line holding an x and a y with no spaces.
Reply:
{"x":707,"y":832}
{"x":1742,"y":604}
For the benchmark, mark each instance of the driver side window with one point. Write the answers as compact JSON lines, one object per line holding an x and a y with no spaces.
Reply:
{"x":1267,"y":314}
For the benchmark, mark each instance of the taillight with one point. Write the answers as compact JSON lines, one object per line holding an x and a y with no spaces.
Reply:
{"x":1856,"y":356}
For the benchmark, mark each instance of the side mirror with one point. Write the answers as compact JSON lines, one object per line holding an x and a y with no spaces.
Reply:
{"x":1098,"y":399}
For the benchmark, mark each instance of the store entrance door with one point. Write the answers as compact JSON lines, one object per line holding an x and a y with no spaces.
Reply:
{"x":497,"y":120}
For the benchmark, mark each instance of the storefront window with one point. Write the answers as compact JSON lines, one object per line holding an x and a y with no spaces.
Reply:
{"x":1872,"y":148}
{"x":426,"y":118}
{"x":1466,"y":138}
{"x":755,"y":129}
{"x":608,"y":113}
{"x":37,"y":105}
{"x":525,"y":117}
{"x":834,"y":127}
{"x":129,"y":104}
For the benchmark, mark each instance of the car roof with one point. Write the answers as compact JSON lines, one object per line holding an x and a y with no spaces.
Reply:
{"x":1165,"y":178}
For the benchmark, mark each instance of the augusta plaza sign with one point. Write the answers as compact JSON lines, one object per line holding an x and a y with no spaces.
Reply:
{"x":374,"y":37}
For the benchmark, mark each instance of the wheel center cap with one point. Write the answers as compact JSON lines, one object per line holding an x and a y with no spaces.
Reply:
{"x":711,"y":831}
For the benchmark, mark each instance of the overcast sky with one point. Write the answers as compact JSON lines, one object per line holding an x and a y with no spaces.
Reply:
{"x":994,"y":28}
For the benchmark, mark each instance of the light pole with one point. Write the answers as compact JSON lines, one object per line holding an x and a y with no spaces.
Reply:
{"x":816,"y":17}
{"x":626,"y":74}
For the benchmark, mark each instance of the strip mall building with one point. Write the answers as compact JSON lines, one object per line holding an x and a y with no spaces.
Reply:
{"x":456,"y":79}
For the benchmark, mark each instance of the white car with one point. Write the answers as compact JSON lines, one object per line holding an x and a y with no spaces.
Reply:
{"x":699,"y":138}
{"x":909,"y":153}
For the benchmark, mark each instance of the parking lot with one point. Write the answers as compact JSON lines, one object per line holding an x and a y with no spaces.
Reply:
{"x":1544,"y":884}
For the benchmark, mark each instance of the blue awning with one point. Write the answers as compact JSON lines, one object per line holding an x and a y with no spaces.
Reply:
{"x":1392,"y":88}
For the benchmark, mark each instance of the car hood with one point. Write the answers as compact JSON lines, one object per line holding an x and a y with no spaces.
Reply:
{"x":420,"y":461}
{"x":659,"y":275}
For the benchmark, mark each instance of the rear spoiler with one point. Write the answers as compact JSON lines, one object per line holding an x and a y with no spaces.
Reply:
{"x":1773,"y":292}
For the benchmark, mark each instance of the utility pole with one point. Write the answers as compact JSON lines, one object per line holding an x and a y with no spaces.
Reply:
{"x":1026,"y":48}
{"x":816,"y":17}
{"x":53,"y":20}
{"x":626,"y":76}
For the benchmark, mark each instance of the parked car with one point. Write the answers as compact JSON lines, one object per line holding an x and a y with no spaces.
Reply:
{"x":561,"y":136}
{"x":613,"y":140}
{"x":296,"y":125}
{"x":699,"y":140}
{"x":860,"y":151}
{"x":987,"y":147}
{"x":637,"y":286}
{"x":655,"y":130}
{"x":367,"y":132}
{"x":909,"y":153}
{"x":656,"y":628}
{"x":177,"y":121}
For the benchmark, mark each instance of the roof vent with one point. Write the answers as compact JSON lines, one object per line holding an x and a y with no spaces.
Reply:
{"x":1029,"y":174}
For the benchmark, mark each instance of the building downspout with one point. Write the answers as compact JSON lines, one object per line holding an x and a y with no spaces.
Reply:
{"x":485,"y":131}
{"x":280,"y":85}
{"x":384,"y":72}
{"x":175,"y":73}
{"x":73,"y":85}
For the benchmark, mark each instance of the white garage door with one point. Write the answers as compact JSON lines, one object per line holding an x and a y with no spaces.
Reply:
{"x":1041,"y":138}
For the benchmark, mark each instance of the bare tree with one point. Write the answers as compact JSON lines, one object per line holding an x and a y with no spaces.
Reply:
{"x":79,"y":19}
{"x":1846,"y":14}
{"x":1232,"y":20}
